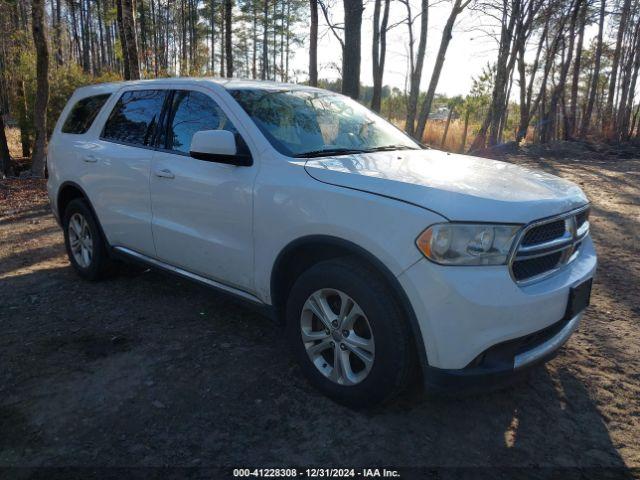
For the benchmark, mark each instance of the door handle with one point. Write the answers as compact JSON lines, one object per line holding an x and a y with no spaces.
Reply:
{"x":89,"y":159}
{"x":164,"y":173}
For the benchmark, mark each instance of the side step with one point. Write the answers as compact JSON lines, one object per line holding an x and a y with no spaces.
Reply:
{"x":189,"y":275}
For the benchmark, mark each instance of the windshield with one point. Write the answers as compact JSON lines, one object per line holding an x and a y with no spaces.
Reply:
{"x":305,"y":123}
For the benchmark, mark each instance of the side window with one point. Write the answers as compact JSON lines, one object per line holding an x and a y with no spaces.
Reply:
{"x":83,"y":113}
{"x":190,"y":113}
{"x":135,"y":116}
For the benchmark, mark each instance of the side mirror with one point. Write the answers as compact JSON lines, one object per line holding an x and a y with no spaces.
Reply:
{"x":218,"y":146}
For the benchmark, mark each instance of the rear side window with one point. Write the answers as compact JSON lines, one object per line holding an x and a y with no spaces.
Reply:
{"x":83,"y":113}
{"x":134,"y":118}
{"x":191,"y":112}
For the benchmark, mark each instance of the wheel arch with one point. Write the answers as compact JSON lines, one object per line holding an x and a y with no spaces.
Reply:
{"x":70,"y":191}
{"x":302,"y":253}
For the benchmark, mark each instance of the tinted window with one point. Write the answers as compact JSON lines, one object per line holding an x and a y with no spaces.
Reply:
{"x":83,"y":113}
{"x":192,"y":112}
{"x":134,"y":118}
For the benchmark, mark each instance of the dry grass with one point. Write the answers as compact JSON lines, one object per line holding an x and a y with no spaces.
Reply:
{"x":453,"y":143}
{"x":435,"y":128}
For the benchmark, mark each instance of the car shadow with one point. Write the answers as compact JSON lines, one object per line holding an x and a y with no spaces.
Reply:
{"x":548,"y":421}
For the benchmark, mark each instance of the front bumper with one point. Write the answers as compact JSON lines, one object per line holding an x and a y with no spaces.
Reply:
{"x":505,"y":363}
{"x":464,"y":312}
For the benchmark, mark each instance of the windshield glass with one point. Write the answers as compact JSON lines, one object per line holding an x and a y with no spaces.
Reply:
{"x":301,"y":123}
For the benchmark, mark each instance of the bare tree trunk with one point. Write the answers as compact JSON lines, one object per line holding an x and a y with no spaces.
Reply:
{"x":5,"y":158}
{"x":166,"y":40}
{"x":74,"y":28}
{"x":212,"y":21}
{"x":499,"y":99}
{"x":154,"y":25}
{"x":5,"y":83}
{"x":228,"y":7}
{"x":129,"y":24}
{"x":527,"y":104}
{"x":254,"y":59}
{"x":274,"y":52}
{"x":416,"y":64}
{"x":23,"y":123}
{"x":108,"y":42}
{"x":144,"y":43}
{"x":282,"y":29}
{"x":465,"y":129}
{"x":57,"y":30}
{"x":634,"y":123}
{"x":101,"y":40}
{"x":607,"y":126}
{"x":123,"y":40}
{"x":351,"y":52}
{"x":184,"y":70}
{"x":84,"y":33}
{"x":524,"y":110}
{"x":626,"y":102}
{"x":457,"y":8}
{"x":222,"y":42}
{"x":288,"y":43}
{"x":192,"y":37}
{"x":572,"y":119}
{"x":593,"y":89}
{"x":264,"y":73}
{"x":313,"y":44}
{"x":379,"y":50}
{"x":42,"y":90}
{"x":504,"y":114}
{"x":559,"y":91}
{"x":446,"y":127}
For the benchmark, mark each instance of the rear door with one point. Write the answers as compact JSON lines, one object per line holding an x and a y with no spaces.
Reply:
{"x":202,"y":210}
{"x":118,"y":178}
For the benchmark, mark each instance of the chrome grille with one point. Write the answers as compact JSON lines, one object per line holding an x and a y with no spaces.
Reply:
{"x":544,"y":233}
{"x":532,"y":267}
{"x":545,"y":246}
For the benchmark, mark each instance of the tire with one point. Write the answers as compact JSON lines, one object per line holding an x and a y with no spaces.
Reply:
{"x":382,"y":330}
{"x":81,"y":231}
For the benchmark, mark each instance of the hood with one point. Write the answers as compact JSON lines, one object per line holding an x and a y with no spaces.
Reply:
{"x":459,"y":187}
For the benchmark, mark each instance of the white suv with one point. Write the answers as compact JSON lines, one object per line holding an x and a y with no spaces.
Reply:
{"x":379,"y":254}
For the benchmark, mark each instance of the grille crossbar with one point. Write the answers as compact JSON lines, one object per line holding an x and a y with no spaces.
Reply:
{"x":545,"y":246}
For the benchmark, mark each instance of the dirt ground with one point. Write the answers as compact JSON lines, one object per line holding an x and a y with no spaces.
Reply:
{"x":146,"y":369}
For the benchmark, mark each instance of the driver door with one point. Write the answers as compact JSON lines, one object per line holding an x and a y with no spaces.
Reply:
{"x":201,"y":209}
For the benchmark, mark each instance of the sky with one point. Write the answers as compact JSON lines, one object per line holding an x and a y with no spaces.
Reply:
{"x":470,"y":49}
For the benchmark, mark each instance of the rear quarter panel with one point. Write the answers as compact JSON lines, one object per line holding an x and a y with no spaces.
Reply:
{"x":64,"y":149}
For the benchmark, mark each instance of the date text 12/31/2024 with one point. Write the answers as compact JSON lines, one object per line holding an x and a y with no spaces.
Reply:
{"x":316,"y":473}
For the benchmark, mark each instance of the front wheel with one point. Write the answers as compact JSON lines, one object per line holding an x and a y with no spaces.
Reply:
{"x":348,"y":334}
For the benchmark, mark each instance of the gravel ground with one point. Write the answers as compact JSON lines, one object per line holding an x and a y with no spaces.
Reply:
{"x":146,"y":369}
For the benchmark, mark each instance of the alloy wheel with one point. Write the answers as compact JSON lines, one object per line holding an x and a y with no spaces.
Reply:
{"x":80,"y":240}
{"x":337,"y":336}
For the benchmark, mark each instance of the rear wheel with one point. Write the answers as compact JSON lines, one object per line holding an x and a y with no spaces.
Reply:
{"x":348,"y":334}
{"x":83,"y":241}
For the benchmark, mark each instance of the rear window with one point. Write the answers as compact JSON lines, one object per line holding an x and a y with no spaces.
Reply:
{"x":83,"y":113}
{"x":134,"y":118}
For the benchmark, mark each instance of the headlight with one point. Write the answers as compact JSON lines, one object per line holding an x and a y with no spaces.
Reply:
{"x":467,"y":244}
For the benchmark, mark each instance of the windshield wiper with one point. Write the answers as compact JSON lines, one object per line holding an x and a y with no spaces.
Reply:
{"x":329,"y":152}
{"x":391,"y":148}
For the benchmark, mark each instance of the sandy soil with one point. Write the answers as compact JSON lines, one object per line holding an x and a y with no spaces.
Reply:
{"x":145,"y":369}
